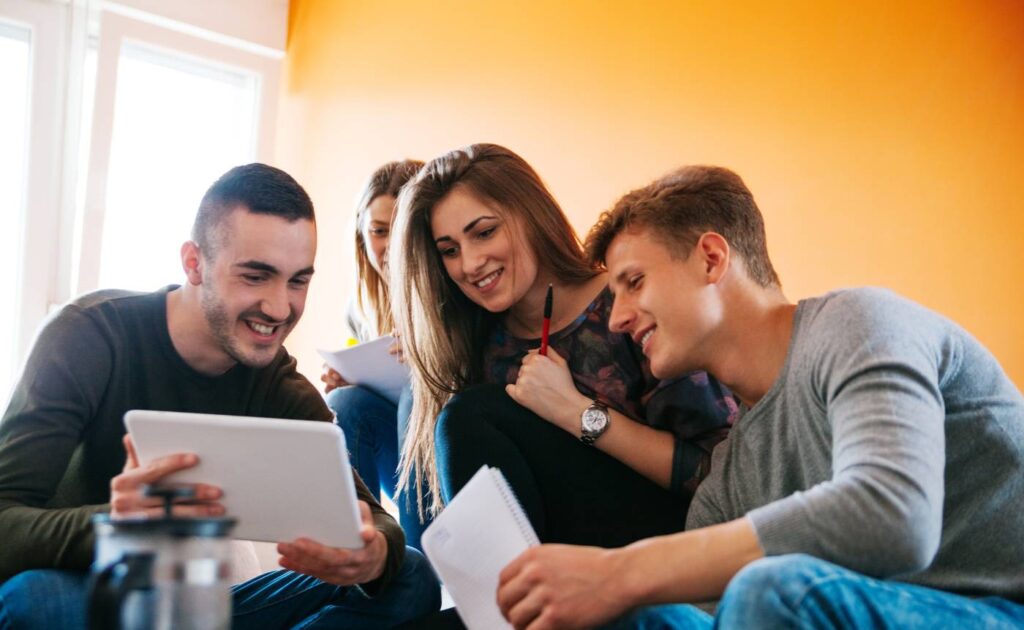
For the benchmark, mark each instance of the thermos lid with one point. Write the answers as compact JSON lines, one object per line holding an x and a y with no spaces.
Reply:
{"x":168,"y":524}
{"x":175,"y":527}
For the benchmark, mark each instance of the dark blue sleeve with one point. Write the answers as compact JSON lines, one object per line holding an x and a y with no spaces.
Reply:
{"x":698,"y":411}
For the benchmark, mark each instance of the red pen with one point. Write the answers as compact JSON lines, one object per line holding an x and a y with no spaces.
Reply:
{"x":547,"y":322}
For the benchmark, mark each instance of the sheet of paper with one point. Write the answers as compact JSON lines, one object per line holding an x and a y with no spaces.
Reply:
{"x":480,"y":531}
{"x":369,"y":365}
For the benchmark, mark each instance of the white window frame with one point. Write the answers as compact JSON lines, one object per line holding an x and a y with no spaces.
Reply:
{"x":41,"y":232}
{"x":60,"y":241}
{"x":120,"y":25}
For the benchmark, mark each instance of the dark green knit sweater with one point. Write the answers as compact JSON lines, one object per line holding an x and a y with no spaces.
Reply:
{"x":60,"y":439}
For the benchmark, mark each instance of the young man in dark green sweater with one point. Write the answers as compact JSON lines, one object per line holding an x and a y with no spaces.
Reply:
{"x":212,"y":345}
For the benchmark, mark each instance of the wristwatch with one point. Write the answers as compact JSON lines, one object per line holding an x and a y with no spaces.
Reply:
{"x":594,"y":422}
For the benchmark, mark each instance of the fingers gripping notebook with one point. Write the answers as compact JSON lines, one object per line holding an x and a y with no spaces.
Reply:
{"x":477,"y":535}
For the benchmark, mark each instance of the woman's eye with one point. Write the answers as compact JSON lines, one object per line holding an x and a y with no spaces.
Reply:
{"x":635,"y":282}
{"x":380,"y":232}
{"x":448,"y":252}
{"x":486,"y":233}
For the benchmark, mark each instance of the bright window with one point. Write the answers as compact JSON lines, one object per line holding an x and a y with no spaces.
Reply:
{"x":15,"y":57}
{"x":179,"y":124}
{"x":113,"y":121}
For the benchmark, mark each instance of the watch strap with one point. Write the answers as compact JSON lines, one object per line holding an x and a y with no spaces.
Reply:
{"x":589,"y":438}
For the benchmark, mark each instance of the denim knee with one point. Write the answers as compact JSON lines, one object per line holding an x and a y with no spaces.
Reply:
{"x":769,"y":591}
{"x":19,"y":594}
{"x":43,"y":598}
{"x":353,"y":404}
{"x":417,"y":584}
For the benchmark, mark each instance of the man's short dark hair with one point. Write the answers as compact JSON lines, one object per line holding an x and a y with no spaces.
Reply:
{"x":261,"y":189}
{"x":677,"y":208}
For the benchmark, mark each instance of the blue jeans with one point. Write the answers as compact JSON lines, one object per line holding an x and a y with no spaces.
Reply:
{"x":799,"y":591}
{"x":668,"y":617}
{"x":374,"y":428}
{"x":285,"y":599}
{"x":44,"y":598}
{"x":280,"y":599}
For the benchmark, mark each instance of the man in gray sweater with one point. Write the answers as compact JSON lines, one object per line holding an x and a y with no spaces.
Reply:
{"x":876,"y":478}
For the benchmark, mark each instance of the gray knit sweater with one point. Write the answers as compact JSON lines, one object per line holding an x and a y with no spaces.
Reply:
{"x":892,"y":444}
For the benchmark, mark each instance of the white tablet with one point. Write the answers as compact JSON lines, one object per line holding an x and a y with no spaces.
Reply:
{"x":282,"y":479}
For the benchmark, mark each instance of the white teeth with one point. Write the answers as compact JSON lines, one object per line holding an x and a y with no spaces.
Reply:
{"x":647,"y":335}
{"x":262,"y":328}
{"x":489,"y":279}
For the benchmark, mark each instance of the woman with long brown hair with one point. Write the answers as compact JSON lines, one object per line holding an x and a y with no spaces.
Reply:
{"x":597,"y":450}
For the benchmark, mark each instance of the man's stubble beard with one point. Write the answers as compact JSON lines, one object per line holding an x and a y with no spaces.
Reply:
{"x":221,"y":326}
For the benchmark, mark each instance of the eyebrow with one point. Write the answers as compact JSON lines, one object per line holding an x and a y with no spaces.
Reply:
{"x":257,"y":265}
{"x":465,"y":230}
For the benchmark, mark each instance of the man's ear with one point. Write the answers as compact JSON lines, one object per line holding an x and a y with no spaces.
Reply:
{"x":192,"y":262}
{"x":715,"y":254}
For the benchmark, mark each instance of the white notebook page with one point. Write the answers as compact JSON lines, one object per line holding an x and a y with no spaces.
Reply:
{"x":477,"y":535}
{"x":369,"y":364}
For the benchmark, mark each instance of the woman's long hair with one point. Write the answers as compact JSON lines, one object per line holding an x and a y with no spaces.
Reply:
{"x":443,"y":331}
{"x":370,"y":313}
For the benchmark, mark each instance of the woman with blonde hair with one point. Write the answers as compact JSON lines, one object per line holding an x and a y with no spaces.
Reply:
{"x":597,"y":451}
{"x":371,"y":422}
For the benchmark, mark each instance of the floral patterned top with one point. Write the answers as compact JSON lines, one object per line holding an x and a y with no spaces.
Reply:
{"x":608,"y":366}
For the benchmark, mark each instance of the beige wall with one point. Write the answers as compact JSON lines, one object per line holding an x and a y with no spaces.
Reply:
{"x":884,"y":141}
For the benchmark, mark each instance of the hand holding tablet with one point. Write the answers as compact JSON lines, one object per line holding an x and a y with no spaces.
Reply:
{"x":283,"y":480}
{"x":339,"y":566}
{"x":128,"y":491}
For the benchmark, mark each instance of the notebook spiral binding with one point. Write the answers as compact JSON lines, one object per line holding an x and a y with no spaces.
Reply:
{"x":514,"y":506}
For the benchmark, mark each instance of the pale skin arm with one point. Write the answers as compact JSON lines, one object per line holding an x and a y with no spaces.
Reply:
{"x":561,"y":586}
{"x":545,"y":387}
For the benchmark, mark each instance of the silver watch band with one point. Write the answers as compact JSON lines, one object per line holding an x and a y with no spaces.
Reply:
{"x":590,"y":435}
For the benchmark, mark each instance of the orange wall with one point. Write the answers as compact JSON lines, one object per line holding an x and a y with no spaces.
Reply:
{"x":883,"y":140}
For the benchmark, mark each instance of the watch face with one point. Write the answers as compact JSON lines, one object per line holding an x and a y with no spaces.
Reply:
{"x":594,"y":420}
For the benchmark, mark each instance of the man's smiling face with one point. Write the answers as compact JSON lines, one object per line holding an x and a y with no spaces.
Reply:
{"x":665,"y":304}
{"x":255,"y":282}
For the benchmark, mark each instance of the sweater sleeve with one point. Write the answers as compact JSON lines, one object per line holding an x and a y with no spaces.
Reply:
{"x":698,"y":411}
{"x":874,"y":368}
{"x":52,"y":405}
{"x":393,"y":533}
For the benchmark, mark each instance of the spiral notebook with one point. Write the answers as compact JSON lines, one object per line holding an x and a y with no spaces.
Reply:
{"x":478,"y":534}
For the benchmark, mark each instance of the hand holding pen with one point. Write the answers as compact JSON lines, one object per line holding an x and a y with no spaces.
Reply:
{"x":545,"y":386}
